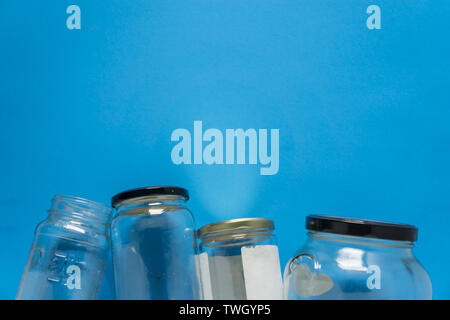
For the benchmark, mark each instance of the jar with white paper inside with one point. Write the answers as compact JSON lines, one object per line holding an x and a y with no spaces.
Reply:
{"x":238,"y":260}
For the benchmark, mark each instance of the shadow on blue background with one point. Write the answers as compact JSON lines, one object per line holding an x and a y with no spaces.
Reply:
{"x":363,"y":114}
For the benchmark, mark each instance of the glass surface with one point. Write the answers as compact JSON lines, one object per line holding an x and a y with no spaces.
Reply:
{"x":331,"y":266}
{"x":154,"y":251}
{"x":69,"y":252}
{"x":240,"y":264}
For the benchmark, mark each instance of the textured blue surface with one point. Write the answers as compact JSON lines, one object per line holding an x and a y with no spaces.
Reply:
{"x":363,"y":114}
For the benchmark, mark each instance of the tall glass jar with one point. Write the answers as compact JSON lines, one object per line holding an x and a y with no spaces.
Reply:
{"x":69,"y":252}
{"x":346,"y":258}
{"x":239,"y":260}
{"x":154,"y":245}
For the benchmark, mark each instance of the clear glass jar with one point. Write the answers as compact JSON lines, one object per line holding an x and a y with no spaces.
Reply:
{"x":239,"y":260}
{"x":347,"y":258}
{"x":154,"y":245}
{"x":69,"y":252}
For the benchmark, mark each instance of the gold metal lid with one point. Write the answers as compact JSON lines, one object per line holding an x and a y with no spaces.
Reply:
{"x":230,"y":225}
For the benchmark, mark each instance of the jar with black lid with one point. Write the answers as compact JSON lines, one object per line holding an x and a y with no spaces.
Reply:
{"x":346,"y":258}
{"x":153,"y":245}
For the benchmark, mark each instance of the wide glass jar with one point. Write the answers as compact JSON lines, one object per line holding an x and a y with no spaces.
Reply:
{"x":239,"y":260}
{"x":346,"y":258}
{"x":69,"y":253}
{"x":154,"y":245}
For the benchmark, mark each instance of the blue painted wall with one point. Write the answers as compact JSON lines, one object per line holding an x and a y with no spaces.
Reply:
{"x":363,"y":114}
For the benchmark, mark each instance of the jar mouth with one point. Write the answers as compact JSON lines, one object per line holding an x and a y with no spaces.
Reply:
{"x":81,"y":206}
{"x":81,"y":200}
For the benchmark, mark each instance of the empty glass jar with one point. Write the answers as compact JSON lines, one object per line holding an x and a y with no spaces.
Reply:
{"x":239,"y":260}
{"x":346,"y":258}
{"x":69,"y":252}
{"x":154,"y":245}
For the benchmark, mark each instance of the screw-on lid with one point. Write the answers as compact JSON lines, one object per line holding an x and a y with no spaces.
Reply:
{"x":230,"y":225}
{"x":362,"y":228}
{"x":149,"y":191}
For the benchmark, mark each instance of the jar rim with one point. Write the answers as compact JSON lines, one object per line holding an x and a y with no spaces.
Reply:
{"x":66,"y":197}
{"x":364,"y":228}
{"x":236,"y":224}
{"x":80,"y":207}
{"x":357,"y":240}
{"x":148,"y":191}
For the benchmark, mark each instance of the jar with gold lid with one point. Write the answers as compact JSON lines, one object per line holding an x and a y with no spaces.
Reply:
{"x":238,"y":259}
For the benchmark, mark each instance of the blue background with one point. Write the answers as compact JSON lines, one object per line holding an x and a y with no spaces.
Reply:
{"x":363,"y":114}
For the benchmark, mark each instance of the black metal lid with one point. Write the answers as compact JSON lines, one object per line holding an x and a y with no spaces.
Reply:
{"x":362,"y":228}
{"x":149,"y":191}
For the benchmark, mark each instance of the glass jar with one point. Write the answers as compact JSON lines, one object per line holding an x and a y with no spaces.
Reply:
{"x":154,"y":245}
{"x":239,"y":260}
{"x":69,"y":252}
{"x":346,"y":258}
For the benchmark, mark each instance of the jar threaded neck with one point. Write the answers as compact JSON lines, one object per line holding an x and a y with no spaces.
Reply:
{"x":80,"y":209}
